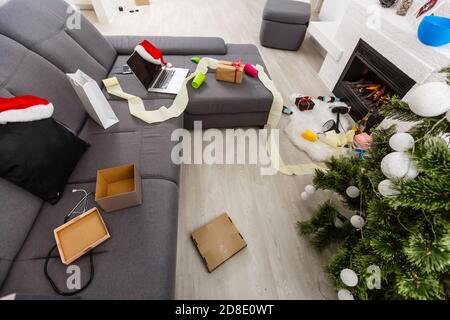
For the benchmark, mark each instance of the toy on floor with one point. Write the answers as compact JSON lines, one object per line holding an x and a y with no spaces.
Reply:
{"x":310,"y":136}
{"x":360,"y":153}
{"x":198,"y":80}
{"x":330,"y":125}
{"x":338,"y":139}
{"x":304,"y":103}
{"x":287,"y":111}
{"x":329,"y":99}
{"x":318,"y":120}
{"x":363,"y":140}
{"x":339,"y":110}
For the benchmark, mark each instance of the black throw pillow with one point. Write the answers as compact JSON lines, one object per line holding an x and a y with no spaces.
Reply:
{"x":39,"y":156}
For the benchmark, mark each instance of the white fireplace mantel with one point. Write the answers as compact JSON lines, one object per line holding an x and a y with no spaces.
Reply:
{"x":395,"y":39}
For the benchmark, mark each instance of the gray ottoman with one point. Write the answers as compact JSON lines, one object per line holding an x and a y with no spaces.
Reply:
{"x":284,"y":24}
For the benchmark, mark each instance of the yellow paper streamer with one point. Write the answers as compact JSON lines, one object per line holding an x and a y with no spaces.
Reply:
{"x":137,"y":109}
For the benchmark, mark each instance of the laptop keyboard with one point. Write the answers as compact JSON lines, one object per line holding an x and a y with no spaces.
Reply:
{"x":164,"y":79}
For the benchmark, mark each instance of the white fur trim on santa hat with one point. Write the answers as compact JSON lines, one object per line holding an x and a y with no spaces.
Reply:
{"x":147,"y":56}
{"x":33,"y":113}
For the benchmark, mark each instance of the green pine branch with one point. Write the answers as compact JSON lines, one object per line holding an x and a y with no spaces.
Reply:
{"x":430,"y":191}
{"x":322,"y":228}
{"x":447,"y":71}
{"x":406,"y":236}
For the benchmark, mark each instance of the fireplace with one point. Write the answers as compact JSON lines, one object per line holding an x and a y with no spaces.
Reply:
{"x":367,"y":83}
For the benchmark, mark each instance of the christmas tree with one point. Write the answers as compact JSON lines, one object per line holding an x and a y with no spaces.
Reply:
{"x":397,"y":243}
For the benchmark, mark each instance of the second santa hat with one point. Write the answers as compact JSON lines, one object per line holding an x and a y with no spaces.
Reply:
{"x":150,"y":53}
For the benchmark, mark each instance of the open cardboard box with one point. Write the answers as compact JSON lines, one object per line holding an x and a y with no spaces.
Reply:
{"x":218,"y":241}
{"x":118,"y":188}
{"x":80,"y":235}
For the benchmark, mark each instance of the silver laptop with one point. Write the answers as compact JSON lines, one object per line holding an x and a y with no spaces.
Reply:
{"x":156,"y":78}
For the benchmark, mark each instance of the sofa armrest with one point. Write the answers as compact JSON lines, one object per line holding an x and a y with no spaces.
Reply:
{"x":125,"y":45}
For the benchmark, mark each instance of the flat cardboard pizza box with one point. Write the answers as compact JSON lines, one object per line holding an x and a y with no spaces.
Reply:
{"x":80,"y":235}
{"x":118,"y":188}
{"x":218,"y":241}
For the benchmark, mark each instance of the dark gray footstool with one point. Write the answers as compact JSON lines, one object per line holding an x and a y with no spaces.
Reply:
{"x":284,"y":24}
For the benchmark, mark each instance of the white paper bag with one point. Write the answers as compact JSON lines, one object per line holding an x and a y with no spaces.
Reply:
{"x":93,"y":99}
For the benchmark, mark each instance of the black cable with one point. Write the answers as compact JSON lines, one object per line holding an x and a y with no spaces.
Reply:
{"x":55,"y":288}
{"x":91,"y":258}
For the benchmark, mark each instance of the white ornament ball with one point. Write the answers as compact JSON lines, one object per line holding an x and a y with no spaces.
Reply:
{"x":412,"y":172}
{"x":397,"y":165}
{"x":310,"y":189}
{"x":349,"y":277}
{"x":401,"y":141}
{"x":344,"y":294}
{"x":352,"y":192}
{"x":386,"y":189}
{"x":357,"y":221}
{"x":304,"y":196}
{"x":430,"y":99}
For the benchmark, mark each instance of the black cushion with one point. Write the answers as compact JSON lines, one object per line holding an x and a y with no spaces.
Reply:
{"x":39,"y":156}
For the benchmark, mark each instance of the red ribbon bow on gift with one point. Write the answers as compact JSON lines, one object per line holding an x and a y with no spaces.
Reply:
{"x":237,"y":65}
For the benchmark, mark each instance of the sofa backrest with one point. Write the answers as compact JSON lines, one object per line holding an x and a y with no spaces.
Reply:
{"x":46,"y":27}
{"x":23,"y":72}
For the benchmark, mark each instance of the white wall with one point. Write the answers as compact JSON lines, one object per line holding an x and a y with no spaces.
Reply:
{"x":82,"y":4}
{"x":333,"y":10}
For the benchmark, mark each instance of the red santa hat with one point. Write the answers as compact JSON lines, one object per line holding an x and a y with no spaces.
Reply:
{"x":24,"y":109}
{"x":150,"y":53}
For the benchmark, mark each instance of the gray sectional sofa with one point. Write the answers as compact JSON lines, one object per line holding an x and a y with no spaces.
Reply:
{"x":138,"y":262}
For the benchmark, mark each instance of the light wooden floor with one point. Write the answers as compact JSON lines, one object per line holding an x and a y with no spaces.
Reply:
{"x":278,"y":263}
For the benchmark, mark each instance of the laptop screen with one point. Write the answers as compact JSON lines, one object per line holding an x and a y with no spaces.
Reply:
{"x":145,"y":71}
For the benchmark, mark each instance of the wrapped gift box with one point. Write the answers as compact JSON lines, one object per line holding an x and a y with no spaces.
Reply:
{"x":230,"y":71}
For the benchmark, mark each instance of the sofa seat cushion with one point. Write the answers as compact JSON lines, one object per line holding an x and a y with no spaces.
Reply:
{"x":19,"y":210}
{"x":214,"y":97}
{"x":287,"y":11}
{"x":137,"y":262}
{"x":170,"y":45}
{"x":127,"y":122}
{"x":149,"y":147}
{"x":219,"y":97}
